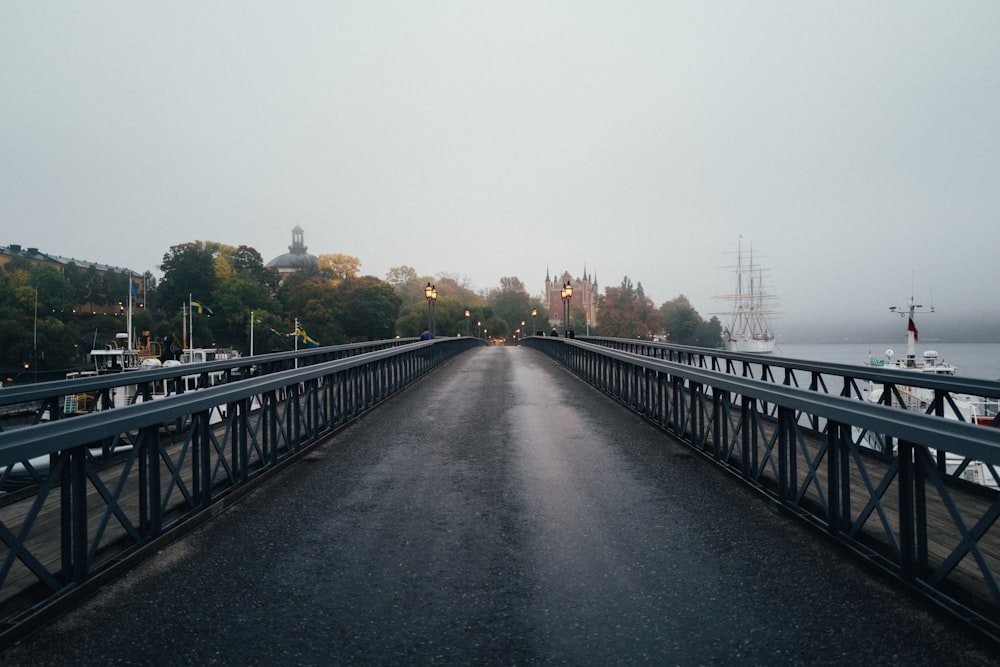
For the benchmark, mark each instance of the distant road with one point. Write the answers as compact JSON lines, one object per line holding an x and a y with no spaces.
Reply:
{"x":500,"y":512}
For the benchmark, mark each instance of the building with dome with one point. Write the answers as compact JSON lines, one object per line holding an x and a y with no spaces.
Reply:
{"x":296,"y":257}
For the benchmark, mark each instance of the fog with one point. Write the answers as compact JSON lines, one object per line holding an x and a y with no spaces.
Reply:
{"x":852,"y":144}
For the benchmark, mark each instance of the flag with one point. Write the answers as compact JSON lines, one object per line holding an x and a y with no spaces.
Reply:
{"x":306,"y":339}
{"x":198,"y":307}
{"x":131,"y":286}
{"x":913,"y":327}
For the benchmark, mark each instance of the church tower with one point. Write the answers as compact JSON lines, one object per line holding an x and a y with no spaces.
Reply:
{"x":585,"y":292}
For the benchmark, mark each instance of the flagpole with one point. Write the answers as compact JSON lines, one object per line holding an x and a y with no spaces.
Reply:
{"x":128,"y":323}
{"x":190,"y":323}
{"x":296,"y":339}
{"x":251,"y":333}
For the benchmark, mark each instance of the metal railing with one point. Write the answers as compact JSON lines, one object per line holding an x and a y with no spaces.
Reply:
{"x":48,"y":401}
{"x":901,"y":507}
{"x":106,"y":488}
{"x":829,"y":378}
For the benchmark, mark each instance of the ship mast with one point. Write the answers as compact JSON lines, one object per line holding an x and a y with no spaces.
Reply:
{"x":911,"y":327}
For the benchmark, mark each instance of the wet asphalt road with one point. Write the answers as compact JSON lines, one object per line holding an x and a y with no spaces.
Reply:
{"x":500,"y":512}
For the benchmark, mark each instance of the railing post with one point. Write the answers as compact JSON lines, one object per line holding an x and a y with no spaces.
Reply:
{"x":203,"y":458}
{"x":907,"y":541}
{"x":242,"y":422}
{"x":786,"y":454}
{"x":73,"y":500}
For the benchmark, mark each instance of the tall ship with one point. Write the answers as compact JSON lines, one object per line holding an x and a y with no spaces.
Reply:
{"x":749,"y":329}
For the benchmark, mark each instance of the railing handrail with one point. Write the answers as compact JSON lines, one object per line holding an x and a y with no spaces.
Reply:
{"x":45,"y":438}
{"x":971,"y":440}
{"x":59,"y":388}
{"x":881,"y":375}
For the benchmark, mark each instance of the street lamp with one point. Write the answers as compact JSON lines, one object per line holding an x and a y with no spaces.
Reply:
{"x":479,"y":329}
{"x":432,"y":294}
{"x":534,"y":314}
{"x":467,"y":322}
{"x":567,"y":294}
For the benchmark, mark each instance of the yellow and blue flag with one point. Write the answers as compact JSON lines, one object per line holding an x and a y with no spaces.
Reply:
{"x":198,"y":307}
{"x":306,"y":339}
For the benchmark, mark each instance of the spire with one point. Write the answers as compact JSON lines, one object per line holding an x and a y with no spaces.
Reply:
{"x":297,"y":247}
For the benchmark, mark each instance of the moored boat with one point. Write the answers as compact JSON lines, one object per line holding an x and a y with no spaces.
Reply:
{"x":967,"y":407}
{"x":958,"y":406}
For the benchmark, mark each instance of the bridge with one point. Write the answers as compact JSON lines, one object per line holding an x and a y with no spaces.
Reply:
{"x":499,"y":508}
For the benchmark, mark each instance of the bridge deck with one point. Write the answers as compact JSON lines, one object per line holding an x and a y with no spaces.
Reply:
{"x":501,"y":511}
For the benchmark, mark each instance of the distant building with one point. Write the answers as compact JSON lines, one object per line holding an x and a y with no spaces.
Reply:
{"x":35,"y":256}
{"x":584,"y":297}
{"x":296,"y":257}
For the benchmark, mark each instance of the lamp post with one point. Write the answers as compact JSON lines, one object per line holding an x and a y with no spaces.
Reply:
{"x":534,"y":314}
{"x":432,"y":294}
{"x":567,"y":294}
{"x":479,"y":329}
{"x":467,"y":322}
{"x":34,"y":349}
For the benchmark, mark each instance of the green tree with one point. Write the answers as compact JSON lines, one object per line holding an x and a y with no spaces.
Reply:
{"x":313,"y":297}
{"x":188,"y":269}
{"x":232,"y":302}
{"x":625,"y":311}
{"x":373,"y":309}
{"x":684,"y":326}
{"x":412,"y":320}
{"x":511,"y":304}
{"x":680,"y":321}
{"x":244,"y":285}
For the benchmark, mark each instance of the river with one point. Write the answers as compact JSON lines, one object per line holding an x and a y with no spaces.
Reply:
{"x":974,"y":360}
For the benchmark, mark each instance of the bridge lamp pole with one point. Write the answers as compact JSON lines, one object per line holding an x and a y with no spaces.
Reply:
{"x":432,"y":294}
{"x":567,"y":294}
{"x":467,"y":322}
{"x":479,"y":329}
{"x":534,"y":327}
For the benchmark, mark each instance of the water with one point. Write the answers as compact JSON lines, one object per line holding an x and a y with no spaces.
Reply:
{"x":974,"y":360}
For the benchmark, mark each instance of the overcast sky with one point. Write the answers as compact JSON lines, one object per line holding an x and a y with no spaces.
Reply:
{"x":854,"y":144}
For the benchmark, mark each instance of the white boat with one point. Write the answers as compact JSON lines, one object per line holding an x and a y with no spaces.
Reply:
{"x":962,"y":407}
{"x":969,"y":408}
{"x":115,"y":358}
{"x":749,"y":329}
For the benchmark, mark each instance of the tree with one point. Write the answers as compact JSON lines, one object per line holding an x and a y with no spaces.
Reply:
{"x":232,"y":302}
{"x":188,"y":269}
{"x":317,"y":302}
{"x":512,"y":284}
{"x":339,"y":266}
{"x":680,"y":321}
{"x":625,"y":311}
{"x":511,"y":304}
{"x":373,"y":308}
{"x":684,"y":326}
